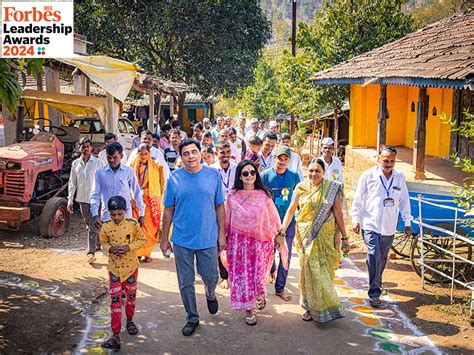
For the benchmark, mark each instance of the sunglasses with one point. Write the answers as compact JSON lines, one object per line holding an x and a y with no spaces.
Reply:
{"x":247,"y":173}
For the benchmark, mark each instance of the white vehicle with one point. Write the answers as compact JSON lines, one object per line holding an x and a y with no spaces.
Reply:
{"x":92,"y":128}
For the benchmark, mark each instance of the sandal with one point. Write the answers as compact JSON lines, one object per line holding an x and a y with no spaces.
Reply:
{"x":148,"y":259}
{"x":307,"y":316}
{"x":284,"y":296}
{"x":261,"y":304}
{"x":131,"y":327}
{"x":251,"y":320}
{"x":113,"y":343}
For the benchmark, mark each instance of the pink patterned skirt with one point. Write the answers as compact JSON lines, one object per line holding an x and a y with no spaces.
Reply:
{"x":250,"y":260}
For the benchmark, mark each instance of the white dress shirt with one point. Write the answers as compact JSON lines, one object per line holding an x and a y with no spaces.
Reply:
{"x":81,"y":179}
{"x":368,"y":203}
{"x":103,"y":156}
{"x":295,"y":165}
{"x":334,"y":171}
{"x":156,"y":155}
{"x":236,"y":151}
{"x":267,"y":162}
{"x":228,"y":177}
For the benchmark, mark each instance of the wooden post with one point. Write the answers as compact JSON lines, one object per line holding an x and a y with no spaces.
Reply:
{"x":382,"y":118}
{"x":20,"y":124}
{"x":9,"y":125}
{"x":52,"y":84}
{"x":151,"y":111}
{"x":336,"y":128}
{"x":109,"y":117}
{"x":181,"y":98}
{"x":171,"y":106}
{"x":158,"y":114}
{"x":420,"y":135}
{"x":80,"y":84}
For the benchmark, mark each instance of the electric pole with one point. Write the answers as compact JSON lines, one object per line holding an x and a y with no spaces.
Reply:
{"x":293,"y":52}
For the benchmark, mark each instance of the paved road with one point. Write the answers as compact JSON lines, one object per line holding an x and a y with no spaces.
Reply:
{"x":160,"y":316}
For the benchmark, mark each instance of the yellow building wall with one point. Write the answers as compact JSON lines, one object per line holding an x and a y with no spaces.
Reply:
{"x":401,"y":123}
{"x":185,"y":120}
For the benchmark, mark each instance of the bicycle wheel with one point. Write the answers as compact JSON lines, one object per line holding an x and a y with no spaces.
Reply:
{"x":439,"y":259}
{"x":401,"y":245}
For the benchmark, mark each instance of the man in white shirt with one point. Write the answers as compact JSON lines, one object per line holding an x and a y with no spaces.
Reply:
{"x":109,"y":138}
{"x":156,"y":154}
{"x":242,"y":129}
{"x":237,"y":146}
{"x":380,"y":195}
{"x":295,"y":164}
{"x":254,"y":130}
{"x":266,"y":153}
{"x":80,"y":184}
{"x":225,"y":166}
{"x":332,"y":164}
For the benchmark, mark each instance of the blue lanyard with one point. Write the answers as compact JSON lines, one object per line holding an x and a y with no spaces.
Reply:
{"x":227,"y":175}
{"x":140,"y":179}
{"x":385,"y":187}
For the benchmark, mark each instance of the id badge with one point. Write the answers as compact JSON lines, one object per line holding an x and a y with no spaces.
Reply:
{"x":388,"y":202}
{"x":279,"y":201}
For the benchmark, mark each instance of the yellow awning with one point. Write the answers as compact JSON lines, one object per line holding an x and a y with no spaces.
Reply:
{"x":113,"y":75}
{"x":77,"y":105}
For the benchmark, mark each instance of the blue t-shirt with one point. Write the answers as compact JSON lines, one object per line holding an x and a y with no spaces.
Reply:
{"x":282,"y":186}
{"x":194,"y":197}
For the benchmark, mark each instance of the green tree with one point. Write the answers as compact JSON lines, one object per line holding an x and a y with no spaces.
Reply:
{"x":345,"y":29}
{"x":437,"y":10}
{"x":10,"y":87}
{"x":262,"y":98}
{"x":213,"y":45}
{"x":464,"y":194}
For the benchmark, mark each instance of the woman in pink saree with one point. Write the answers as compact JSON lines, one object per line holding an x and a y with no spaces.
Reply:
{"x":251,"y":225}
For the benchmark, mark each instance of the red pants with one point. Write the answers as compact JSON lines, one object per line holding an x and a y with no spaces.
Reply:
{"x":130,"y":287}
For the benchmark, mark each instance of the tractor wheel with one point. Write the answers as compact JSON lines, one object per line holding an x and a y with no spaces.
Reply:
{"x":54,"y":220}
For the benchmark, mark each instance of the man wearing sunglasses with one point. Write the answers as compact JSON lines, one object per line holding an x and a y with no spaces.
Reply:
{"x":282,"y":182}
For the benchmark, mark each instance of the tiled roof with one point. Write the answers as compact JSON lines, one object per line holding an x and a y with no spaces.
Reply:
{"x":439,"y":55}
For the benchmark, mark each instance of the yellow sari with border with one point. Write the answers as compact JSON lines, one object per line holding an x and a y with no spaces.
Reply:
{"x":319,"y":259}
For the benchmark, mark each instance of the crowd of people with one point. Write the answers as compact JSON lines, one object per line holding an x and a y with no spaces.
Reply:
{"x":228,"y":200}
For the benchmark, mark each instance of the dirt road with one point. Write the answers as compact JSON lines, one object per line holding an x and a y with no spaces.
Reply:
{"x":51,"y":300}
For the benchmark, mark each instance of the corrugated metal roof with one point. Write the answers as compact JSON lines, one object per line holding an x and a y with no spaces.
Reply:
{"x":439,"y":55}
{"x":192,"y":98}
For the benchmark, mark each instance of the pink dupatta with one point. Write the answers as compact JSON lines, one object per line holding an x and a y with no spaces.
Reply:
{"x":252,"y":213}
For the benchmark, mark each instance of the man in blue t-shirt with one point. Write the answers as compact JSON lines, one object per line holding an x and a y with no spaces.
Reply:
{"x":282,"y":182}
{"x":194,"y":202}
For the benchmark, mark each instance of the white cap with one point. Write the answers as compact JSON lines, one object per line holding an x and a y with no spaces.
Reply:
{"x":273,"y":124}
{"x":327,"y":141}
{"x":253,"y":120}
{"x":206,"y":119}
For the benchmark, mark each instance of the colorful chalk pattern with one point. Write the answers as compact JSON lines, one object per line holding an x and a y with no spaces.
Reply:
{"x":391,"y":330}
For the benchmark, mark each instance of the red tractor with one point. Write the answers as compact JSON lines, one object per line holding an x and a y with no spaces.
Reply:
{"x":34,"y":176}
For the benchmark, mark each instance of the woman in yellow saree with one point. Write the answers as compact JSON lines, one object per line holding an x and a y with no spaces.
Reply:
{"x":318,"y":249}
{"x":151,"y":180}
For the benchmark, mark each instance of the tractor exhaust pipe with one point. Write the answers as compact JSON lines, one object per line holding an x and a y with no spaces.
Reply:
{"x":20,"y":119}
